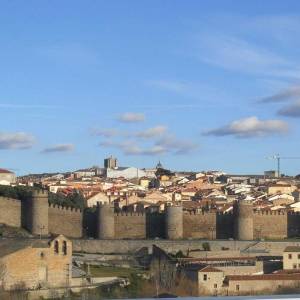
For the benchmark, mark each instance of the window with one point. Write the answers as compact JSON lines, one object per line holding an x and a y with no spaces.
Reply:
{"x":298,"y":256}
{"x":64,"y":247}
{"x":294,"y":266}
{"x":42,"y":255}
{"x":290,"y":256}
{"x":56,"y":247}
{"x":215,"y":285}
{"x":205,"y":277}
{"x":237,"y":287}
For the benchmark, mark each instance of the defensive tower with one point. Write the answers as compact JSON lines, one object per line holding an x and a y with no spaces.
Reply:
{"x":106,"y":221}
{"x":244,"y":220}
{"x":174,"y":222}
{"x":38,"y":213}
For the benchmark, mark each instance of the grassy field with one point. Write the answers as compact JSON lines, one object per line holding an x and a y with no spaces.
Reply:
{"x":104,"y":271}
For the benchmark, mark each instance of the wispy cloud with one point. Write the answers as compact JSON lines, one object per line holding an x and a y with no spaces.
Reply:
{"x":177,"y":145}
{"x":131,"y":117}
{"x":250,"y":127}
{"x":16,"y":140}
{"x":152,"y":132}
{"x":166,"y":144}
{"x":105,"y":132}
{"x":59,"y":148}
{"x":283,"y":95}
{"x":236,"y":54}
{"x":292,"y":110}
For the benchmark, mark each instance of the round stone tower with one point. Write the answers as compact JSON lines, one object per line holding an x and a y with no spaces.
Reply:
{"x":38,"y":213}
{"x":106,"y":221}
{"x":174,"y":222}
{"x":244,"y":220}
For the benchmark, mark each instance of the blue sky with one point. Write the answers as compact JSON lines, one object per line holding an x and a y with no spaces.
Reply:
{"x":196,"y":84}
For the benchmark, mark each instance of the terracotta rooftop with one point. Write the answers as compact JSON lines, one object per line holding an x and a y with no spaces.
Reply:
{"x":210,"y":269}
{"x":5,"y":171}
{"x":263,"y":277}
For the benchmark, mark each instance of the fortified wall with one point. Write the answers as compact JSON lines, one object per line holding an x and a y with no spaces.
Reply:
{"x":41,"y":218}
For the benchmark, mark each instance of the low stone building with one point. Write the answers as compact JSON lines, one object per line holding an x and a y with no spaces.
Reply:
{"x":291,"y":258}
{"x":258,"y":284}
{"x":35,"y":264}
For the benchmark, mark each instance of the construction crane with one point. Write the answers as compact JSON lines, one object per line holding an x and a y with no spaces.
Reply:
{"x":279,"y":158}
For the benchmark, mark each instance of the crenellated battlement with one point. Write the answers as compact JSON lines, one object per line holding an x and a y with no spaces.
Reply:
{"x":129,"y":214}
{"x":269,"y":213}
{"x":293,"y":213}
{"x":67,"y":209}
{"x":199,"y":213}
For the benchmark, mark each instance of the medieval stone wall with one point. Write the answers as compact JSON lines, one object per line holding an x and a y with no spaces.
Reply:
{"x":130,"y":226}
{"x":199,"y":225}
{"x":270,"y":225}
{"x":65,"y":220}
{"x":10,"y":212}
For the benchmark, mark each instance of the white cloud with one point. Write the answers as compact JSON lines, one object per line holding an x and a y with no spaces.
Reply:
{"x":16,"y":140}
{"x":152,"y":132}
{"x":166,"y":144}
{"x":59,"y":148}
{"x":131,"y":117}
{"x":136,"y":150}
{"x":176,"y":145}
{"x":250,"y":127}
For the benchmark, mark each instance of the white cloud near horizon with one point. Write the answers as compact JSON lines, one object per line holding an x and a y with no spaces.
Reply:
{"x":16,"y":140}
{"x":250,"y":127}
{"x":59,"y":148}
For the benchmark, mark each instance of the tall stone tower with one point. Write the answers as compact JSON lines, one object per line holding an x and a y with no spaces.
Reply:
{"x":37,"y":220}
{"x":174,"y":222}
{"x":106,"y":221}
{"x":244,"y":220}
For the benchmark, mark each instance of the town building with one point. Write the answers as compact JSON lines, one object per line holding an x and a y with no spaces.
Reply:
{"x":110,"y":163}
{"x":35,"y":264}
{"x":7,"y":177}
{"x":291,"y":258}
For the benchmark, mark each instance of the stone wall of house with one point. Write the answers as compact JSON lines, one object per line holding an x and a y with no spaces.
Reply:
{"x":10,"y":212}
{"x":65,"y":220}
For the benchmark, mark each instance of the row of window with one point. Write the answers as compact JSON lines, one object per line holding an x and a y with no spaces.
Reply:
{"x":291,"y":256}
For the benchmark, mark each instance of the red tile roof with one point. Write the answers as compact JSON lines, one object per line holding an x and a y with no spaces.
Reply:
{"x":5,"y":171}
{"x":263,"y":277}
